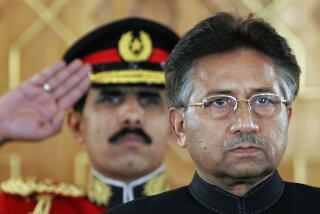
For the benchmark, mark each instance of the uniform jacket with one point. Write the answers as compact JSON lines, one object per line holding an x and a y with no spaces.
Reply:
{"x":273,"y":196}
{"x":33,"y":196}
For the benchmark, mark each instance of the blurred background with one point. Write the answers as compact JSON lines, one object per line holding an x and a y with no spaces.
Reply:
{"x":35,"y":34}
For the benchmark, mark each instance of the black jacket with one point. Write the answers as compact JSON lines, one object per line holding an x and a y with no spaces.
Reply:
{"x":271,"y":196}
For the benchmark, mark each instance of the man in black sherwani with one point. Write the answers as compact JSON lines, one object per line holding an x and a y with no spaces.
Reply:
{"x":231,"y":84}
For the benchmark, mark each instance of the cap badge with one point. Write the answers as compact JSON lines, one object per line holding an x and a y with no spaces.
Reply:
{"x":135,"y":48}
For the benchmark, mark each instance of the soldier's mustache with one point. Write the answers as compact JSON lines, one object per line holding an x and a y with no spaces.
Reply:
{"x":130,"y":130}
{"x":245,"y":138}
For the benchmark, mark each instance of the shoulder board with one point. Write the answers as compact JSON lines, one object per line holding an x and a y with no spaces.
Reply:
{"x":157,"y":185}
{"x":29,"y":186}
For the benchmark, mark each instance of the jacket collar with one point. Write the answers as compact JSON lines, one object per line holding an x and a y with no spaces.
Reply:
{"x":110,"y":192}
{"x":260,"y":198}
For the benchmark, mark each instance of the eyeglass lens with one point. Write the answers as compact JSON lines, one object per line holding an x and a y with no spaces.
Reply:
{"x":221,"y":106}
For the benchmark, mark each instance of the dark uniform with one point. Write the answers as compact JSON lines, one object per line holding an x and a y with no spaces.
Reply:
{"x":126,"y":52}
{"x":273,"y":196}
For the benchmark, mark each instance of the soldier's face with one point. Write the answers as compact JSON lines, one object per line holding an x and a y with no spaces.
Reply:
{"x":125,"y":130}
{"x":217,"y":145}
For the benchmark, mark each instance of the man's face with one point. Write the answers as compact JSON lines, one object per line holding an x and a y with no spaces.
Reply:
{"x":125,"y":130}
{"x":241,"y":74}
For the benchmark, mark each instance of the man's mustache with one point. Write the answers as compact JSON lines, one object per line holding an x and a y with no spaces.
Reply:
{"x":130,"y":130}
{"x":245,"y":138}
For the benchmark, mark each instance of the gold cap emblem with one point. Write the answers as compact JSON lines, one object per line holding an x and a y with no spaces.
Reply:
{"x":135,"y":49}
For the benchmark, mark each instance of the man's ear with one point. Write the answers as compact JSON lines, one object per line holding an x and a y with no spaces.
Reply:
{"x":177,"y":123}
{"x":74,"y":122}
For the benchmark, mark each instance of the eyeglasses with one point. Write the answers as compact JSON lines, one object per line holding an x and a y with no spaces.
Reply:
{"x":222,"y":106}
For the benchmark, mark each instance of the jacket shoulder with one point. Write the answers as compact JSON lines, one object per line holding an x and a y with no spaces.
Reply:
{"x":31,"y":195}
{"x":302,"y":189}
{"x":298,"y":198}
{"x":33,"y":186}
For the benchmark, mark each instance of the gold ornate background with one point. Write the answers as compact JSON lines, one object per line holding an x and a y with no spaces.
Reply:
{"x":35,"y":33}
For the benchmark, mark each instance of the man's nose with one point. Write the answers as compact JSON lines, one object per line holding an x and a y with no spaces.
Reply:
{"x":243,"y":120}
{"x":131,"y":112}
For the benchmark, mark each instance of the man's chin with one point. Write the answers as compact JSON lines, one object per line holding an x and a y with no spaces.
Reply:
{"x":130,"y":166}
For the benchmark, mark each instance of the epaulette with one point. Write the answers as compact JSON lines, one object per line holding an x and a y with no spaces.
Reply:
{"x":33,"y":186}
{"x":156,"y":185}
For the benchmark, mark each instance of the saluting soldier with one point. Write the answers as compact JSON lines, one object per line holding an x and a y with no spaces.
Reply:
{"x":119,"y":114}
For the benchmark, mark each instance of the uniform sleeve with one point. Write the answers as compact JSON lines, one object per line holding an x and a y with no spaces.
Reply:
{"x":4,"y":203}
{"x":15,"y":204}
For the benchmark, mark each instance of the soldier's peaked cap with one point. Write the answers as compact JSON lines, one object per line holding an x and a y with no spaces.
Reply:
{"x":128,"y":51}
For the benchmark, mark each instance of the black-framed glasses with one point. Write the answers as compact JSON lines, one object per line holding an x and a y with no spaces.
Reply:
{"x":222,"y":106}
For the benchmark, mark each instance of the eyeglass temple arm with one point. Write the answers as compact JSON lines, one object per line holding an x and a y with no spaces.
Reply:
{"x":286,"y":102}
{"x":195,"y":104}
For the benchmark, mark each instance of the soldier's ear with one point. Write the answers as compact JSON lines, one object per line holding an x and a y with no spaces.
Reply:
{"x":178,"y":126}
{"x":74,"y":119}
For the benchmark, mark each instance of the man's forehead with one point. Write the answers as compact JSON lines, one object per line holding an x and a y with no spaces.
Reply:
{"x":243,"y":71}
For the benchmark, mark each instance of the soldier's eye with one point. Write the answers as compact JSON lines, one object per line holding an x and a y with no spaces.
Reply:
{"x":111,"y":98}
{"x":150,"y":99}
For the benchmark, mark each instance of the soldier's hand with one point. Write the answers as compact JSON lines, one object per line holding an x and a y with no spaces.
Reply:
{"x":35,"y":110}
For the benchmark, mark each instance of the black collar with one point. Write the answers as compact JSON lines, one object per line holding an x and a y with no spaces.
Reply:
{"x":260,"y":198}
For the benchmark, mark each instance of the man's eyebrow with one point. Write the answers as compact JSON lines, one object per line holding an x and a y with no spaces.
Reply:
{"x":150,"y":93}
{"x":262,"y":90}
{"x":110,"y":91}
{"x":218,"y":92}
{"x":122,"y":91}
{"x":230,"y":92}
